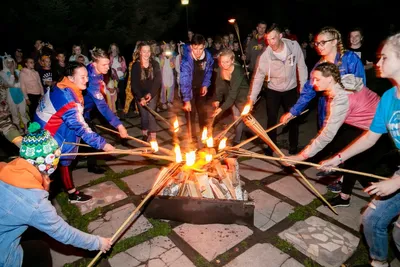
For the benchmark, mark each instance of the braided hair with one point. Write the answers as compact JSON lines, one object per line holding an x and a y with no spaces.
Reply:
{"x":335,"y":34}
{"x":328,"y":69}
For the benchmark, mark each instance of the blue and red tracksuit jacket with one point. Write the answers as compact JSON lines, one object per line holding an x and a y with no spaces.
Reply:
{"x":351,"y":64}
{"x":187,"y":69}
{"x":93,"y":97}
{"x":61,"y":113}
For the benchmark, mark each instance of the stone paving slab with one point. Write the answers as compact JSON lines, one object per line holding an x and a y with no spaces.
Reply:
{"x":59,"y":259}
{"x":81,"y":176}
{"x":269,"y":210}
{"x":322,"y":241}
{"x":127,"y":163}
{"x":293,"y":187}
{"x":164,"y":135}
{"x":141,"y":182}
{"x":134,"y":131}
{"x":263,"y":255}
{"x":256,"y":169}
{"x":157,"y":252}
{"x":211,"y":240}
{"x":108,"y":224}
{"x":350,"y":216}
{"x":103,"y":194}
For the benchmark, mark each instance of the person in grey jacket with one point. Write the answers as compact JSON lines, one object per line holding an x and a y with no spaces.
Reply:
{"x":280,"y":63}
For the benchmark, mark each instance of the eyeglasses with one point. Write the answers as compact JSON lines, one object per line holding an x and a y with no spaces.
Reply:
{"x":322,"y":43}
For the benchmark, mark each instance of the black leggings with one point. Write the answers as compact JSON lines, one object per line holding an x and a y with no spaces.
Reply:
{"x":36,"y":254}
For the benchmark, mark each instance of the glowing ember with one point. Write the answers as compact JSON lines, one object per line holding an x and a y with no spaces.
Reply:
{"x":178,"y":154}
{"x":222,"y":143}
{"x":246,"y":110}
{"x":154,"y":145}
{"x":176,"y":125}
{"x":209,"y":157}
{"x":231,"y":21}
{"x":210,"y":142}
{"x":204,"y":134}
{"x":190,"y":158}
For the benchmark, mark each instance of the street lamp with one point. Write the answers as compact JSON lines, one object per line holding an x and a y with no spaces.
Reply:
{"x":235,"y":25}
{"x":186,"y":3}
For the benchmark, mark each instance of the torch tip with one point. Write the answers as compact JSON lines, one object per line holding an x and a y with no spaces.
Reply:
{"x":232,"y":20}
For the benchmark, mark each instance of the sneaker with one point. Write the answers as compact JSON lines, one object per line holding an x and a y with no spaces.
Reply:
{"x":78,"y":197}
{"x":145,"y":137}
{"x":170,"y":105}
{"x":164,"y":106}
{"x":335,"y":187}
{"x":338,"y":201}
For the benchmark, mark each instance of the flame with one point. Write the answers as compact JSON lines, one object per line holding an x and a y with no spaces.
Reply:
{"x":209,"y":157}
{"x":204,"y":134}
{"x":246,"y":110}
{"x":190,"y":158}
{"x":210,"y":142}
{"x":222,"y":143}
{"x":178,"y":154}
{"x":154,"y":145}
{"x":176,"y":125}
{"x":231,"y":21}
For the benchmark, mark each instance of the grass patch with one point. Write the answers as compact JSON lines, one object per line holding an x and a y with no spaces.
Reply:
{"x":73,"y":214}
{"x":160,"y":228}
{"x":199,"y":261}
{"x":284,"y":245}
{"x":244,"y":244}
{"x":310,"y":263}
{"x":303,"y":212}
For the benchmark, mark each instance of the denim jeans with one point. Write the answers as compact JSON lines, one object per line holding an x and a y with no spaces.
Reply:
{"x":376,"y":221}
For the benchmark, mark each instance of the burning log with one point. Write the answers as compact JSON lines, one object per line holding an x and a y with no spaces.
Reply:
{"x":218,"y":180}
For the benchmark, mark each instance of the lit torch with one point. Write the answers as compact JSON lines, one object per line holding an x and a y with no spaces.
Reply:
{"x":246,"y":110}
{"x":209,"y":158}
{"x":178,"y":154}
{"x":176,"y":125}
{"x":204,"y":135}
{"x":235,"y":25}
{"x":210,"y":142}
{"x":190,"y":158}
{"x":222,"y":143}
{"x":154,"y":145}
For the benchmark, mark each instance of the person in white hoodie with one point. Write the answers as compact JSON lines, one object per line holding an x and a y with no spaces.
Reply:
{"x":15,"y":97}
{"x":279,"y":64}
{"x":31,"y":85}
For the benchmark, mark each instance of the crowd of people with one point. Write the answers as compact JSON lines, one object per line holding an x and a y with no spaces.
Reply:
{"x":48,"y":106}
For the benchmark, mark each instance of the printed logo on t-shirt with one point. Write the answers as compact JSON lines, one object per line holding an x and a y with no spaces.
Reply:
{"x":393,"y":127}
{"x":47,"y":77}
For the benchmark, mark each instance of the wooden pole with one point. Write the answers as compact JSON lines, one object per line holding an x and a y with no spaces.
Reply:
{"x":162,"y":149}
{"x":155,"y":114}
{"x":253,"y":124}
{"x":121,"y":151}
{"x":160,"y":181}
{"x":267,"y":130}
{"x":247,"y":153}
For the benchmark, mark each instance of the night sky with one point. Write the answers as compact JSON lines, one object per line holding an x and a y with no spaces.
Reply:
{"x":209,"y":17}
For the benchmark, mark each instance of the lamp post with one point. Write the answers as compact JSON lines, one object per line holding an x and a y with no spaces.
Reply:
{"x":235,"y":25}
{"x":186,"y":4}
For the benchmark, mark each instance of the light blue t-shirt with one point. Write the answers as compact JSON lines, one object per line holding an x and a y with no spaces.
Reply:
{"x":387,"y":116}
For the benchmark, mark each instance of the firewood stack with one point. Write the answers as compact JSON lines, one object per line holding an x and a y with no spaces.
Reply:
{"x":218,"y":179}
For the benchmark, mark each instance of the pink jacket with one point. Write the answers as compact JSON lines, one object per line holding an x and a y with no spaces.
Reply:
{"x":114,"y":74}
{"x":355,"y":106}
{"x":30,"y":82}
